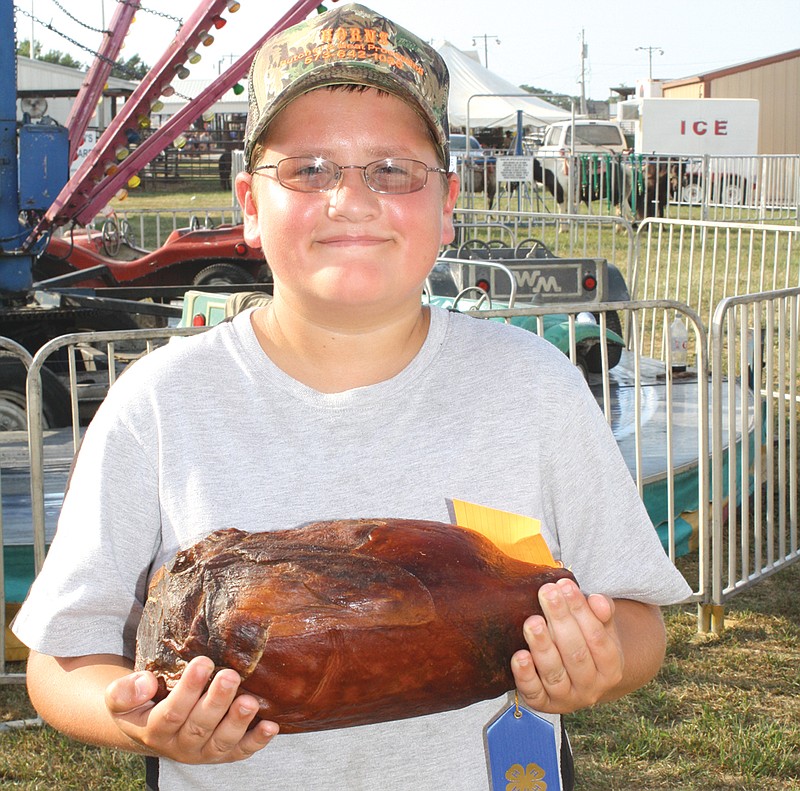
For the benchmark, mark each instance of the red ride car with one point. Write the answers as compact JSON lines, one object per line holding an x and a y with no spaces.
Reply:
{"x":194,"y":256}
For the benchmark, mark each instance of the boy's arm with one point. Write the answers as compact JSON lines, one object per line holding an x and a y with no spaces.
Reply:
{"x":586,"y":650}
{"x":98,"y":699}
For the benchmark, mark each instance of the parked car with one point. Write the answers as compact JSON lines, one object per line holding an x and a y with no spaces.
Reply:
{"x":476,"y":169}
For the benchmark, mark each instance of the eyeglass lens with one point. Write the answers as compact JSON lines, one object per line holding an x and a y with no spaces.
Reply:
{"x":314,"y":174}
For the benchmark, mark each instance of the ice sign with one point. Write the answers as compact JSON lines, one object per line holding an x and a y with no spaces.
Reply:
{"x":515,"y":168}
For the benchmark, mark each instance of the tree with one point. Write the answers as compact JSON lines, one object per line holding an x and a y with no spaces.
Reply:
{"x":558,"y":99}
{"x":132,"y":69}
{"x":51,"y":56}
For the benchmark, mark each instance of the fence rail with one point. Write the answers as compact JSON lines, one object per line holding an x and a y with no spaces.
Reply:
{"x":759,"y":188}
{"x":13,"y":349}
{"x":148,"y":228}
{"x":754,"y":338}
{"x":700,"y":263}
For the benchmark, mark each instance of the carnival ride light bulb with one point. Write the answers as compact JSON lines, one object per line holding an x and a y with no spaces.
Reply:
{"x":233,"y":6}
{"x":132,"y":135}
{"x":143,"y":121}
{"x":193,"y":56}
{"x":238,"y":89}
{"x":110,"y":168}
{"x":179,"y":141}
{"x":121,"y":194}
{"x":182,"y":71}
{"x":218,"y":21}
{"x":167,"y":90}
{"x":208,"y":116}
{"x":157,"y":106}
{"x":134,"y":181}
{"x":206,"y":39}
{"x":121,"y":153}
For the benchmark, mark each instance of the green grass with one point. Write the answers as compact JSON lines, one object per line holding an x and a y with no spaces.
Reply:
{"x":722,"y":715}
{"x":200,"y":195}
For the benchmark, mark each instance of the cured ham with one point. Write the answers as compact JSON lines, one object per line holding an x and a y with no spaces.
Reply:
{"x":346,"y":622}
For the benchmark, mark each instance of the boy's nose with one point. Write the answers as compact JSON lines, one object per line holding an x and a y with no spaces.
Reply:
{"x":351,"y":197}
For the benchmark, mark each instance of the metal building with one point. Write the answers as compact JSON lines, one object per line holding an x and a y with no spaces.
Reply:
{"x":46,"y":91}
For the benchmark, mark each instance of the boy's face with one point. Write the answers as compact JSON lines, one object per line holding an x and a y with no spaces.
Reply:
{"x":348,"y":248}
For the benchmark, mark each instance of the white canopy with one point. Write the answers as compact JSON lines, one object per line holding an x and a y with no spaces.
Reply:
{"x":484,"y":96}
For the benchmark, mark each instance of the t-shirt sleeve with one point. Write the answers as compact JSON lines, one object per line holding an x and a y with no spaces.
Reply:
{"x":88,"y":597}
{"x":604,"y":532}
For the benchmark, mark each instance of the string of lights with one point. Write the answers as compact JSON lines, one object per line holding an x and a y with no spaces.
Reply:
{"x":119,"y":65}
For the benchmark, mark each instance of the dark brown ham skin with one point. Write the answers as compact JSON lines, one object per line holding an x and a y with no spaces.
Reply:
{"x":346,"y":622}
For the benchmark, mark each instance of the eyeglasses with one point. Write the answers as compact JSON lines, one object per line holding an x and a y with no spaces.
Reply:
{"x":386,"y":176}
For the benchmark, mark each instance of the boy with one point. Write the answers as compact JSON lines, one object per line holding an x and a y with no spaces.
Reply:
{"x":337,"y":400}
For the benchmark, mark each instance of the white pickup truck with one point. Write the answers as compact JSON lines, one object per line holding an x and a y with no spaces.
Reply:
{"x":568,"y":149}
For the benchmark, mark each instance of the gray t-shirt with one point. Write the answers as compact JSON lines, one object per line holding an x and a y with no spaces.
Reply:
{"x":207,"y":433}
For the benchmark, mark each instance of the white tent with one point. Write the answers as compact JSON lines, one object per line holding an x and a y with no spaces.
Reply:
{"x":481,"y":97}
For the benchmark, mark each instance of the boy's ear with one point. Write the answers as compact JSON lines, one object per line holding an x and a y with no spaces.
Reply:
{"x":244,"y":194}
{"x":450,"y":198}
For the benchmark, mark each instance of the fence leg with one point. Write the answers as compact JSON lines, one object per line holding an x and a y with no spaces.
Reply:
{"x":710,"y":618}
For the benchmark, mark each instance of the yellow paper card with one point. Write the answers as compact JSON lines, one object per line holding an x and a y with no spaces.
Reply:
{"x":518,"y":536}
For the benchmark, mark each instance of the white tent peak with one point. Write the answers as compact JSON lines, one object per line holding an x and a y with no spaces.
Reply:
{"x":488,"y":99}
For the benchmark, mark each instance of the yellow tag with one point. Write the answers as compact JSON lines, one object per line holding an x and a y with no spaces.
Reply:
{"x":518,"y":536}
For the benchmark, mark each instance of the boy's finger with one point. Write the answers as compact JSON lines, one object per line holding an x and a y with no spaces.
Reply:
{"x":218,"y":706}
{"x":171,"y":714}
{"x":130,"y":692}
{"x":231,"y":740}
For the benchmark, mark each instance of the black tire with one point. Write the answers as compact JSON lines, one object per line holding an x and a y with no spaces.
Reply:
{"x":222,"y":274}
{"x":56,"y":409}
{"x":594,"y":359}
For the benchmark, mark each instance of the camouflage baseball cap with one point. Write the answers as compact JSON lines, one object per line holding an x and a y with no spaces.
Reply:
{"x":349,"y":45}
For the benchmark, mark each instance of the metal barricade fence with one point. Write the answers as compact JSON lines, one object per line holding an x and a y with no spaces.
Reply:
{"x":149,"y":228}
{"x":760,"y":188}
{"x":122,"y":348}
{"x":8,"y":649}
{"x":564,"y":235}
{"x":754,"y":340}
{"x":700,"y":263}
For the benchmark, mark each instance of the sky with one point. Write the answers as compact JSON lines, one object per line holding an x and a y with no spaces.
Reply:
{"x":527,"y":42}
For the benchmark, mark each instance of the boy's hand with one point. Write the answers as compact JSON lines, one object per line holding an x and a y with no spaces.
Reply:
{"x":575,"y":657}
{"x":190,"y":725}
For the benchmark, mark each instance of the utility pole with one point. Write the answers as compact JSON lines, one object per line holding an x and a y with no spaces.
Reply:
{"x":485,"y":46}
{"x":650,"y":51}
{"x":584,"y":55}
{"x":33,"y":25}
